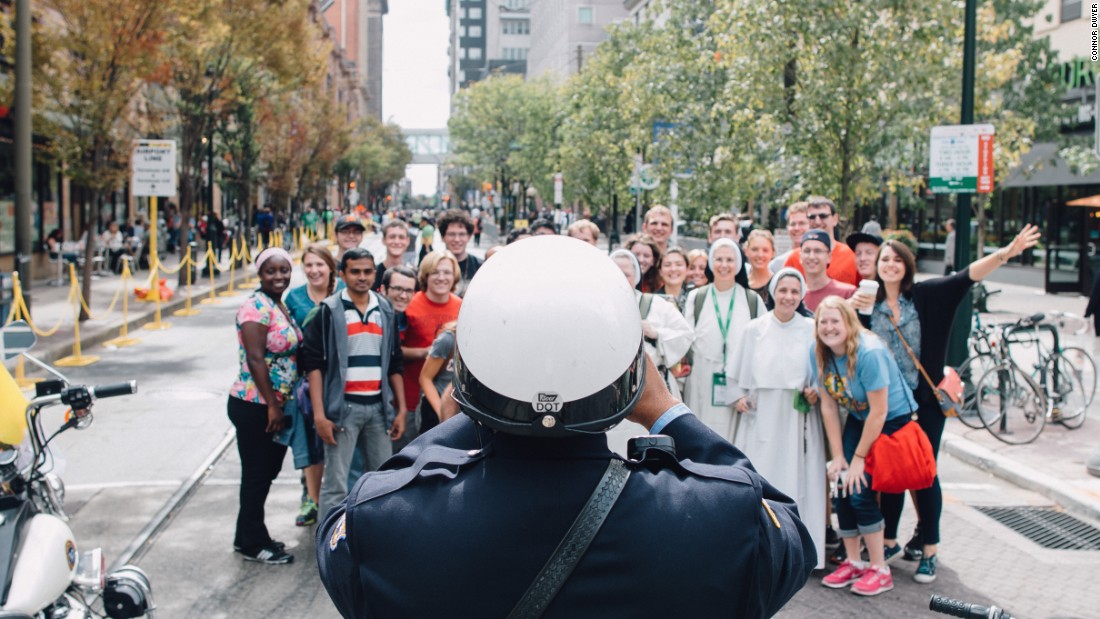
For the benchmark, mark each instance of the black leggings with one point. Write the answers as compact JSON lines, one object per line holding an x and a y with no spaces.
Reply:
{"x":261,"y":461}
{"x":929,"y":500}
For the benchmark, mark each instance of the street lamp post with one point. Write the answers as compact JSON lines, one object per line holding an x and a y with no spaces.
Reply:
{"x":22,"y":108}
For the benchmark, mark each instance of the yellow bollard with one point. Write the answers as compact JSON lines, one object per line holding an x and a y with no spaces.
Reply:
{"x":123,"y":340}
{"x":76,"y":359}
{"x":16,"y":313}
{"x":231,"y":291}
{"x":247,"y":260}
{"x":213,"y":298}
{"x":187,"y":309}
{"x":154,"y":290}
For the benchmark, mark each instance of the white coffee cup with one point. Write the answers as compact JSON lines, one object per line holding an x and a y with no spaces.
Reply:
{"x":868,"y":287}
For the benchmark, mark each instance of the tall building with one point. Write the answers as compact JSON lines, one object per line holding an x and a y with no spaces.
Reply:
{"x":487,"y":36}
{"x":565,"y":32}
{"x":358,"y":28}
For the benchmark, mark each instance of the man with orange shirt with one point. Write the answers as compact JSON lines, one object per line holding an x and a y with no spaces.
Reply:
{"x":431,"y":308}
{"x":842,"y":265}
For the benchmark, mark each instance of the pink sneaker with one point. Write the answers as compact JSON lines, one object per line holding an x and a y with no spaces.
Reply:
{"x":873,"y":582}
{"x":844,"y":575}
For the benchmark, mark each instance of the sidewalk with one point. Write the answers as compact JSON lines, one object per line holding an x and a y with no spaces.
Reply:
{"x":1054,"y":464}
{"x":50,"y":307}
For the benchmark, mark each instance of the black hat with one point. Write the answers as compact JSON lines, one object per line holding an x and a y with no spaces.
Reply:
{"x":350,"y":221}
{"x":856,"y":238}
{"x":820,"y":236}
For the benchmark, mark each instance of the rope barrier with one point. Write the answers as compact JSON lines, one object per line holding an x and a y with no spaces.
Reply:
{"x":77,"y":359}
{"x":23,"y":313}
{"x":209,"y":258}
{"x":231,"y":291}
{"x":123,"y":338}
{"x":84,"y":304}
{"x":187,"y":309}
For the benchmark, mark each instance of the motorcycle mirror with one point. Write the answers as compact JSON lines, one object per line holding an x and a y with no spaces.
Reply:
{"x":16,"y":338}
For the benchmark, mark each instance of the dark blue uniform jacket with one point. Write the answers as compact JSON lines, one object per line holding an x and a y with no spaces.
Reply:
{"x":460,"y":522}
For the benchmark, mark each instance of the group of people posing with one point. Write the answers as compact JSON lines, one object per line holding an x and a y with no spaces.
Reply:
{"x":803,"y":360}
{"x":345,"y":369}
{"x":796,"y":359}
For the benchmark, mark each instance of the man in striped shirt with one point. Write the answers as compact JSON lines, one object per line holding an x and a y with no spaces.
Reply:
{"x":352,"y":357}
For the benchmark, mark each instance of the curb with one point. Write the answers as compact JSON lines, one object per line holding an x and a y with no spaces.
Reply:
{"x":53,"y":351}
{"x":1069,"y":497}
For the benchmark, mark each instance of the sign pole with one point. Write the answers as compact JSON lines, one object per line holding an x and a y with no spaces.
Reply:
{"x":957,"y":347}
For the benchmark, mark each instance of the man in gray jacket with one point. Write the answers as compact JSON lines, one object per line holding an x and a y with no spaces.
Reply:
{"x":352,"y":356}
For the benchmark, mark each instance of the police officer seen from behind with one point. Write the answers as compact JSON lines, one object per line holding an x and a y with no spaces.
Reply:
{"x":549,"y":357}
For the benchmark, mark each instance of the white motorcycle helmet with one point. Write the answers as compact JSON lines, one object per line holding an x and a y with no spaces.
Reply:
{"x":549,"y":341}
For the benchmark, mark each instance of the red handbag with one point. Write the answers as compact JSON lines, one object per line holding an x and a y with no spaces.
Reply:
{"x":901,"y":461}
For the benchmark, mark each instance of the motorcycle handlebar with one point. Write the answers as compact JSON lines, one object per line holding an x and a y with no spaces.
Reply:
{"x":117,"y":389}
{"x":948,"y":606}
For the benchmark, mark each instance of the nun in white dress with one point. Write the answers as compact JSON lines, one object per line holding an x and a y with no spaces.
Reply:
{"x":777,"y":427}
{"x":667,"y":334}
{"x":722,"y":319}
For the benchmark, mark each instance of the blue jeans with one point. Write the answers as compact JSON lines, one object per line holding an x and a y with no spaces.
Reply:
{"x":859,"y":514}
{"x":364,"y":430}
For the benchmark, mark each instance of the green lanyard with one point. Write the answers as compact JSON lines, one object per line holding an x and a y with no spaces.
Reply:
{"x":723,"y":327}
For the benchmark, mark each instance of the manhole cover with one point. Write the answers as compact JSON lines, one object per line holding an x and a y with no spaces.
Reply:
{"x":187,"y":395}
{"x":1047,"y":527}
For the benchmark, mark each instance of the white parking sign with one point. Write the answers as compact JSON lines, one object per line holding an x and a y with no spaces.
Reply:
{"x":153,"y":168}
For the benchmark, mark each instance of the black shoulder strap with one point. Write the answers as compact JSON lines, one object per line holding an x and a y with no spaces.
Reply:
{"x":573,"y":546}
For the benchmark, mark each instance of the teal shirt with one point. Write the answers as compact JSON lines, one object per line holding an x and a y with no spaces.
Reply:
{"x":875,"y":369}
{"x":299,"y":303}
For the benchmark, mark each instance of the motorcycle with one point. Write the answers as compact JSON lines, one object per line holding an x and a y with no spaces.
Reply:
{"x":43,"y":573}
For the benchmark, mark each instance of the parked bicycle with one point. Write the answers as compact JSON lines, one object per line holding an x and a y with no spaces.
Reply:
{"x":1015,"y":404}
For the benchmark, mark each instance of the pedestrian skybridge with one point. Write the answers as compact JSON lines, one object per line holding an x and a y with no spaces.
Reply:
{"x":428,"y":145}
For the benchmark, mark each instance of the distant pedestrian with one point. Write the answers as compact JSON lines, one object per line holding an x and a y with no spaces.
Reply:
{"x":797,"y":224}
{"x":872,"y":227}
{"x":584,"y":230}
{"x":477,"y":228}
{"x":1093,"y":307}
{"x":949,"y":247}
{"x":760,"y":249}
{"x":395,"y":236}
{"x":265,"y":225}
{"x":349,"y":234}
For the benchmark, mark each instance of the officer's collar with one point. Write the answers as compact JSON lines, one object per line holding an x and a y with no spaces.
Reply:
{"x":580,"y":446}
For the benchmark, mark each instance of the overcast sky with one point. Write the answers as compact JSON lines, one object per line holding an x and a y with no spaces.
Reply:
{"x":414,"y":73}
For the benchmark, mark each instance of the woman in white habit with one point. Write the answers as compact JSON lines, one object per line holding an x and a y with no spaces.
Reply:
{"x":722,"y":317}
{"x":666,"y":334}
{"x":777,"y":426}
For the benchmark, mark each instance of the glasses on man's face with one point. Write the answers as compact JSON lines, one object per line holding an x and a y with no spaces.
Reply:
{"x":400,"y":291}
{"x":821,"y":216}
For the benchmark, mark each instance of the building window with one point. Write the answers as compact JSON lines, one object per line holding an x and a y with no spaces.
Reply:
{"x":462,"y":53}
{"x":474,"y":53}
{"x":515,"y":26}
{"x":515,"y":53}
{"x":463,"y":14}
{"x":475,"y":31}
{"x":517,"y":4}
{"x":462,"y":31}
{"x":584,"y":15}
{"x":1071,"y":10}
{"x":475,"y":12}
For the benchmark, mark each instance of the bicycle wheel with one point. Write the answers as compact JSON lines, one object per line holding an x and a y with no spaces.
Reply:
{"x":1010,"y":404}
{"x":1085,"y":368}
{"x":971,"y":372}
{"x":1069,"y":400}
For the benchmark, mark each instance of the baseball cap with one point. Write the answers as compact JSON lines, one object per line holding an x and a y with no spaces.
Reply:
{"x":349,"y":221}
{"x":820,"y":236}
{"x":856,"y":238}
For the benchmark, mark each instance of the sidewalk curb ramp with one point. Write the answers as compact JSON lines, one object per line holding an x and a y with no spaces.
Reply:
{"x":1065,"y":494}
{"x":50,"y":351}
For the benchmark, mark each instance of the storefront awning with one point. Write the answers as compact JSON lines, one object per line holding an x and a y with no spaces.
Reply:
{"x":1043,"y":167}
{"x":1090,"y":201}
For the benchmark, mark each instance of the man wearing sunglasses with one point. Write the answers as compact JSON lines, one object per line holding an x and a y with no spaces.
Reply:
{"x":842,"y":266}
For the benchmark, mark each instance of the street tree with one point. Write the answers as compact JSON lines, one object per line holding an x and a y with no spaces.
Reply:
{"x":104,"y":51}
{"x":376,"y":158}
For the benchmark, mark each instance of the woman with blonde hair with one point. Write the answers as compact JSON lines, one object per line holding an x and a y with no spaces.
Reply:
{"x":853,"y":368}
{"x":760,"y":249}
{"x":697,"y":268}
{"x":435,"y":305}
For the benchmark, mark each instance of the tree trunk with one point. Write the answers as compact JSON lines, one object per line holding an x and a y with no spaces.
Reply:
{"x":91,"y":217}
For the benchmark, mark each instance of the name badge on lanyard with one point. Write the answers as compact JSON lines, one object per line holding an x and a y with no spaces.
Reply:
{"x":719,"y":394}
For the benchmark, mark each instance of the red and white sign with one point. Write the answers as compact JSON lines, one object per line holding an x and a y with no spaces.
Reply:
{"x":985,"y":163}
